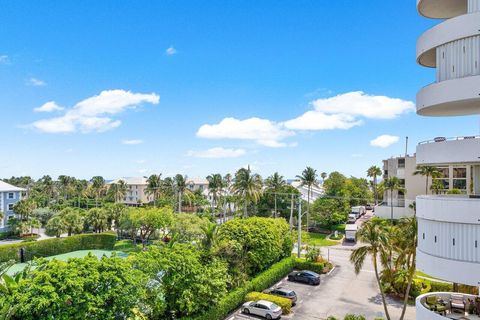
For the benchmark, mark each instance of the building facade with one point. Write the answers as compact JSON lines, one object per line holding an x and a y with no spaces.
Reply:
{"x":400,"y":202}
{"x":449,"y":225}
{"x":9,"y":196}
{"x":136,"y":192}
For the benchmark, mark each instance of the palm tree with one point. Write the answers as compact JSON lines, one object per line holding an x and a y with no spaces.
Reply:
{"x":375,"y":237}
{"x":47,"y":186}
{"x":275,"y":182}
{"x":98,"y":184}
{"x":64,"y":182}
{"x":180,"y":184}
{"x":392,"y":184}
{"x":309,"y":179}
{"x":437,"y":186}
{"x":154,"y":184}
{"x":373,"y":172}
{"x":247,"y":186}
{"x":215,"y":188}
{"x":324,"y":176}
{"x":427,"y":171}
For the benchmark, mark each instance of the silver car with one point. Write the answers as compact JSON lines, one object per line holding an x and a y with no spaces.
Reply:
{"x":262,"y":308}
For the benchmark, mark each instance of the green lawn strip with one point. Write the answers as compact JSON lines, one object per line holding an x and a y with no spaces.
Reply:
{"x":127,"y":246}
{"x":316,"y":239}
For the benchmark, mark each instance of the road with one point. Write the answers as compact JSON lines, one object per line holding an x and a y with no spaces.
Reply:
{"x":341,"y":292}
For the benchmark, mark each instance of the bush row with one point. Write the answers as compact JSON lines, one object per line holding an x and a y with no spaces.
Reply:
{"x":318,"y":267}
{"x":54,"y":246}
{"x":261,"y":282}
{"x":284,"y":303}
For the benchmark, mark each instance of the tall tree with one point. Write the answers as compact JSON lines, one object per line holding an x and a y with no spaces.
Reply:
{"x":119,"y":190}
{"x":427,"y":171}
{"x":375,"y":239}
{"x":308,"y":178}
{"x":248,"y":187}
{"x":275,"y":182}
{"x":392,"y":184}
{"x":373,"y":172}
{"x":324,"y":176}
{"x":98,"y":185}
{"x":154,"y":185}
{"x":180,"y":184}
{"x":215,"y":188}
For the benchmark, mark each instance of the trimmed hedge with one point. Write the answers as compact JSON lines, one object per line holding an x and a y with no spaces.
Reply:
{"x":235,"y":298}
{"x":318,"y":267}
{"x":54,"y":246}
{"x":284,"y":303}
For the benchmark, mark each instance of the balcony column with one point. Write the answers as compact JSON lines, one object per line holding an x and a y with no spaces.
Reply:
{"x":476,"y":179}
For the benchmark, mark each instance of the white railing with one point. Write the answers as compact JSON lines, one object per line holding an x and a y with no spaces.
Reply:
{"x":443,"y":139}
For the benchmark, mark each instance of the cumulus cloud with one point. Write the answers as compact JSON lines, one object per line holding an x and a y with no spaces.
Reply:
{"x":36,"y":82}
{"x":132,"y":141}
{"x":262,"y":131}
{"x":315,"y":120}
{"x":170,"y":51}
{"x":217,"y":152}
{"x":50,"y":106}
{"x":384,"y":141}
{"x":90,"y":115}
{"x":358,"y":103}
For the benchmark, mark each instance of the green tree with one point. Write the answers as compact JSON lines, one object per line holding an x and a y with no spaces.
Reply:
{"x":274,"y":183}
{"x":427,"y":171}
{"x":149,"y":220}
{"x":88,"y":288}
{"x":180,"y":185}
{"x":392,"y":184}
{"x":118,"y":190}
{"x":154,"y":185}
{"x":247,"y":187}
{"x":308,"y":178}
{"x":98,"y":186}
{"x":215,"y":188}
{"x":437,"y":186}
{"x":97,"y":218}
{"x":72,"y":220}
{"x":373,"y":172}
{"x":374,"y":237}
{"x":55,"y":227}
{"x":188,"y":227}
{"x":24,"y":208}
{"x":328,"y":211}
{"x":323,"y":175}
{"x":43,"y":215}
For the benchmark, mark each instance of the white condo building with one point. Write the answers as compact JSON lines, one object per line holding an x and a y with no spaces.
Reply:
{"x":449,"y":225}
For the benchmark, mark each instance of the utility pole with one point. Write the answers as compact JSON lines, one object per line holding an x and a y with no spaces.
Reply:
{"x":291,"y":214}
{"x":299,"y":241}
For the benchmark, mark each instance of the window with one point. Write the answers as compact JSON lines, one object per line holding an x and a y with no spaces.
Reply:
{"x":11,"y":195}
{"x":401,"y":163}
{"x":460,"y":184}
{"x":10,"y":207}
{"x":444,"y":172}
{"x":460,"y":173}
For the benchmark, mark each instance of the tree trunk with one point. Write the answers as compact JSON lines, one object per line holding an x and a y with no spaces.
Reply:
{"x":308,"y":207}
{"x":275,"y":213}
{"x":375,"y":267}
{"x":375,"y":189}
{"x":409,"y":285}
{"x":245,"y":213}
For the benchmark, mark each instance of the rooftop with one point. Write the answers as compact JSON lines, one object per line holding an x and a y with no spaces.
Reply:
{"x":4,"y":187}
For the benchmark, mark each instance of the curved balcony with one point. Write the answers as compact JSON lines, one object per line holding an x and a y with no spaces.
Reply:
{"x":441,"y":9}
{"x":450,"y":208}
{"x":441,"y":151}
{"x":454,"y":97}
{"x":446,"y":305}
{"x":460,"y":27}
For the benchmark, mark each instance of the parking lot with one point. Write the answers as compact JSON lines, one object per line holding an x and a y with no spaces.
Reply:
{"x":340,"y":292}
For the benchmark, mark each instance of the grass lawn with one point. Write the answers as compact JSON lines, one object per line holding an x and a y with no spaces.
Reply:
{"x":127,"y":246}
{"x":423,"y":274}
{"x":315,"y":239}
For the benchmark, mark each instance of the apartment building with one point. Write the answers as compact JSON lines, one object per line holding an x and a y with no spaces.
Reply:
{"x":449,"y":225}
{"x":400,"y":203}
{"x":136,"y":192}
{"x":9,"y":196}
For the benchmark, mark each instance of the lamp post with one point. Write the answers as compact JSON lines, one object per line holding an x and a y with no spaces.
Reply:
{"x":299,"y":241}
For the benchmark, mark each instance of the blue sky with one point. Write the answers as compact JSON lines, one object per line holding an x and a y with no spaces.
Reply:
{"x":137,"y":87}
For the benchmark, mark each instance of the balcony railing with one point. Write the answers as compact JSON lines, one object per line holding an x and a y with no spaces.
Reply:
{"x":443,"y":139}
{"x":447,"y":305}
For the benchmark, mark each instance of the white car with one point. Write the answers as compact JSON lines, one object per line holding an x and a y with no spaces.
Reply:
{"x":262,"y":308}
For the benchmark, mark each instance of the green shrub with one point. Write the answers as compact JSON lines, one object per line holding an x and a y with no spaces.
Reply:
{"x":354,"y":317}
{"x":312,"y":254}
{"x":318,"y":267}
{"x":54,"y":246}
{"x":236,"y":297}
{"x":284,"y":303}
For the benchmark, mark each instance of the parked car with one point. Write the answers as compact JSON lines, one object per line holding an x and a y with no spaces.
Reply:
{"x":305,"y":276}
{"x":262,"y":308}
{"x":369,"y":207}
{"x":358,"y":210}
{"x":284,"y":293}
{"x":351,"y":218}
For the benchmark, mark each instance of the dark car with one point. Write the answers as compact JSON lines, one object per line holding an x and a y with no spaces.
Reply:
{"x":369,"y":207}
{"x":305,"y":276}
{"x":284,"y":293}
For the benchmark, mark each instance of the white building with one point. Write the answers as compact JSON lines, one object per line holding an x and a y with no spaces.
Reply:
{"x":400,"y":202}
{"x":136,"y":192}
{"x":316,"y":192}
{"x":9,"y":196}
{"x":449,"y":225}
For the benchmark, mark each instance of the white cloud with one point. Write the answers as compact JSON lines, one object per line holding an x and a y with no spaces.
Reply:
{"x":384,"y":141}
{"x":4,"y":59}
{"x":217,"y":152}
{"x":132,"y":141}
{"x":90,"y":114}
{"x":48,"y":107}
{"x":357,"y":103}
{"x":36,"y":82}
{"x":262,"y":131}
{"x":170,"y":51}
{"x":315,"y":120}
